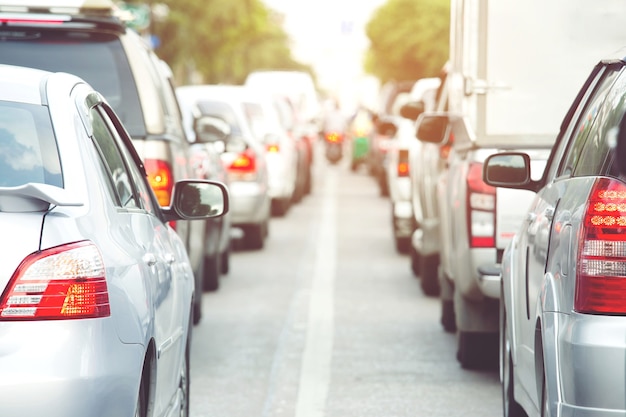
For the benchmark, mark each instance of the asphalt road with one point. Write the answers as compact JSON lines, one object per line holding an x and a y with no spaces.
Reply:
{"x":328,"y":321}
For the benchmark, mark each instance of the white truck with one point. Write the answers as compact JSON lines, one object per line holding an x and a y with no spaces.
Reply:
{"x":514,"y":69}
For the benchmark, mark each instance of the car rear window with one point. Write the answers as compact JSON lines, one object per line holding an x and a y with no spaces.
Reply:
{"x":29,"y":152}
{"x":221,"y":110}
{"x":99,"y":59}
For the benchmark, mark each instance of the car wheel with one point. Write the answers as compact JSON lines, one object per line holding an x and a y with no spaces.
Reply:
{"x":280,"y":206}
{"x":511,"y":408}
{"x":254,"y":236}
{"x":403,"y":244}
{"x":428,"y":276}
{"x":225,"y":260}
{"x":415,"y":262}
{"x":477,"y":350}
{"x":212,"y":268}
{"x":197,"y":308}
{"x":448,"y":320}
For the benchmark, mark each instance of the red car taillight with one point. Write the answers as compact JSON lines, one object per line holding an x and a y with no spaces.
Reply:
{"x":243,"y":167}
{"x":161,"y":179}
{"x":65,"y":282}
{"x":272,"y":148}
{"x":333,"y":137}
{"x":403,"y":163}
{"x":601,"y":283}
{"x":481,"y":207}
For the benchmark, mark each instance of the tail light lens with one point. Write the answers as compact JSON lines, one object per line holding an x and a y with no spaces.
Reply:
{"x":403,"y":163}
{"x":161,"y":179}
{"x":65,"y":282}
{"x":601,"y":283}
{"x":273,"y":148}
{"x":444,"y":151}
{"x":243,"y":167}
{"x":334,"y":137}
{"x":481,"y":207}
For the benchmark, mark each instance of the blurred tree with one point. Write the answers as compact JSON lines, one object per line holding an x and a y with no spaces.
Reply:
{"x":409,"y":39}
{"x":222,"y":41}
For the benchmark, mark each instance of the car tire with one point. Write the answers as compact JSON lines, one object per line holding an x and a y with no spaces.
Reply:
{"x":448,"y":320}
{"x":254,"y":236}
{"x":429,"y":275}
{"x":225,"y":260}
{"x":477,"y":350}
{"x":415,"y":262}
{"x":511,"y":408}
{"x":280,"y":206}
{"x":197,"y":308}
{"x":212,"y":269}
{"x":141,"y":410}
{"x":403,"y":244}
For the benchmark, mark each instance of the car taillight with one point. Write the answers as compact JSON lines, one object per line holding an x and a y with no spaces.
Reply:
{"x":403,"y":163}
{"x":444,"y":150}
{"x":161,"y":179}
{"x":601,"y":281}
{"x":334,"y":137}
{"x":481,"y":206}
{"x":65,"y":282}
{"x":243,"y":167}
{"x":272,"y":148}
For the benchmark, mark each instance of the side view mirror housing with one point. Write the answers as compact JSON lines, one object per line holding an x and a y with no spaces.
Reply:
{"x":386,"y":127}
{"x":433,"y":128}
{"x":211,"y":129}
{"x":197,"y":199}
{"x":507,"y":169}
{"x":412,"y":110}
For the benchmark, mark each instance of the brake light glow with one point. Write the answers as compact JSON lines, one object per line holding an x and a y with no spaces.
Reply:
{"x":243,"y":167}
{"x":481,"y":206}
{"x":601,"y":281}
{"x":161,"y":179}
{"x":65,"y":282}
{"x":333,"y":137}
{"x":273,"y":148}
{"x":403,"y":163}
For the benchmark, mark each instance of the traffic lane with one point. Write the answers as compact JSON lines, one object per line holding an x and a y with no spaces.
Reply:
{"x":389,"y":355}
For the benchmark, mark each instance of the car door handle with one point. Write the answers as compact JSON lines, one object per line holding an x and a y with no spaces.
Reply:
{"x":531,"y":217}
{"x":149,"y":259}
{"x":549,"y":213}
{"x":169,"y":258}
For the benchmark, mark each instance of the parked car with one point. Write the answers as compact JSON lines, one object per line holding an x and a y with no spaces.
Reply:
{"x":94,"y":43}
{"x":244,"y":157}
{"x":562,"y":310}
{"x":206,"y":161}
{"x":96,"y":304}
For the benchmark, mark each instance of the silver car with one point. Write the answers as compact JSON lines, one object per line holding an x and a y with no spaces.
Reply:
{"x":563,"y":303}
{"x":96,"y":287}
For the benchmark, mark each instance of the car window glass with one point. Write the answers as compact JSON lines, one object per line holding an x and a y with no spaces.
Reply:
{"x":258,"y":120}
{"x":28,"y":151}
{"x":579,"y":128}
{"x":118,"y":173}
{"x":97,"y":58}
{"x":139,"y":179}
{"x":221,"y":110}
{"x":597,"y":154}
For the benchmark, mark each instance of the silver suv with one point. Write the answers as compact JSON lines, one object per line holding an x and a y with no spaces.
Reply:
{"x":96,"y":45}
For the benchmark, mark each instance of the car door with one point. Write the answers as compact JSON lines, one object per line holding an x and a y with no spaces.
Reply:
{"x":533,"y":247}
{"x":164,"y":285}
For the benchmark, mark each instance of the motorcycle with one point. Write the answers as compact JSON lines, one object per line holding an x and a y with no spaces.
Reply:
{"x":334,"y":146}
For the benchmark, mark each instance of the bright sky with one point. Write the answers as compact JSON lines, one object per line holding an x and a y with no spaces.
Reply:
{"x":330,"y":35}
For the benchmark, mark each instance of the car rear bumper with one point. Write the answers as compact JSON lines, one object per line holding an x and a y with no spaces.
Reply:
{"x":592,"y":365}
{"x":49,"y":369}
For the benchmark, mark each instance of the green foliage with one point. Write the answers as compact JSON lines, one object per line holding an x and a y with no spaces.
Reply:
{"x":222,"y":40}
{"x":409,"y":39}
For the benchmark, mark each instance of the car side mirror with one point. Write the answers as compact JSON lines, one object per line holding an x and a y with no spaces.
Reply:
{"x":433,"y":128}
{"x":199,"y":199}
{"x":507,"y":169}
{"x":386,"y":128}
{"x":412,"y":110}
{"x":211,"y":129}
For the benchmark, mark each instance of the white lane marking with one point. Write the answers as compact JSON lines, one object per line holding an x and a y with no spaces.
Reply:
{"x":316,"y":359}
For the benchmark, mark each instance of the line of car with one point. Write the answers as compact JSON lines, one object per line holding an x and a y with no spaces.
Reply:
{"x":124,"y":193}
{"x":517,"y":230}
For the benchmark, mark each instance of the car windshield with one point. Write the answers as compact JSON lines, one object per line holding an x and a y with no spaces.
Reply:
{"x":29,"y":151}
{"x":97,"y":58}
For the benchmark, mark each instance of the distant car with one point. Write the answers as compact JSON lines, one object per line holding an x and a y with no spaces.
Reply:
{"x":562,"y":310}
{"x":244,"y":157}
{"x":96,"y":304}
{"x":94,"y":43}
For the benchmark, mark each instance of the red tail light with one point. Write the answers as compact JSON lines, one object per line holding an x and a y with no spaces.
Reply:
{"x":273,"y":148}
{"x":65,"y":282}
{"x":601,"y":283}
{"x":243,"y":167}
{"x":481,"y":206}
{"x":403,"y":163}
{"x":334,"y":137}
{"x":444,"y":151}
{"x":161,"y":179}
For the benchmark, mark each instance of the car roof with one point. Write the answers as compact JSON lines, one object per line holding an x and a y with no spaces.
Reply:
{"x":21,"y":84}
